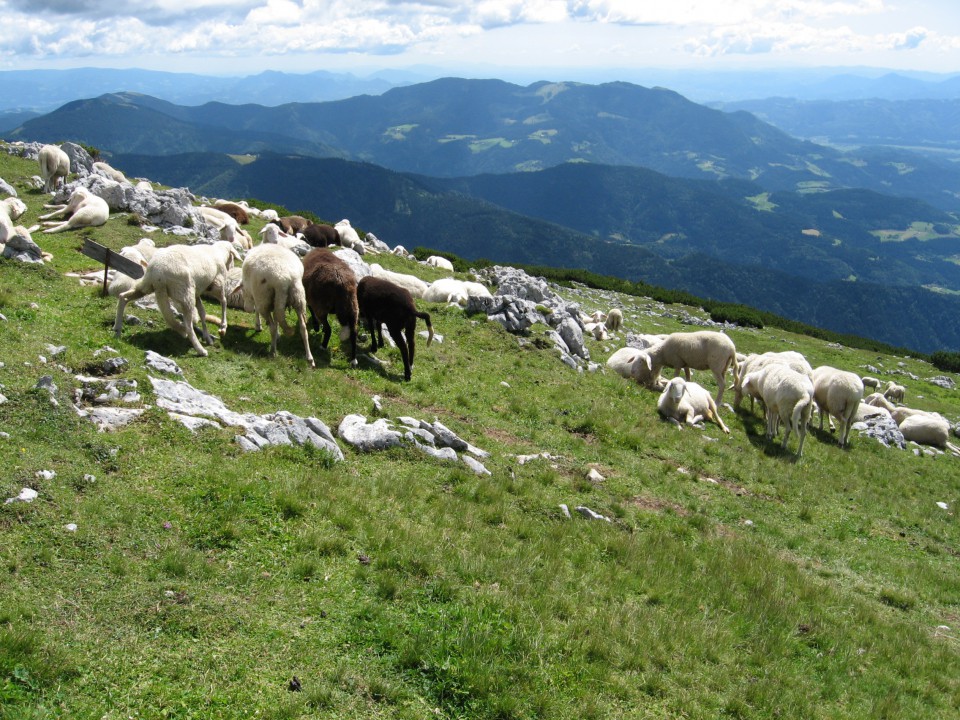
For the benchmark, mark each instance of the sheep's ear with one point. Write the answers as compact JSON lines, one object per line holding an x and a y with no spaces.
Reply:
{"x":646,"y":359}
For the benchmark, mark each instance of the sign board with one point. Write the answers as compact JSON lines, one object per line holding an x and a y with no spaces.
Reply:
{"x":111,"y":259}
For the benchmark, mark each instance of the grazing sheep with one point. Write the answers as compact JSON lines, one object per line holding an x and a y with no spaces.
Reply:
{"x":688,"y":402}
{"x":788,"y":397}
{"x":753,"y":362}
{"x":702,"y":350}
{"x":414,"y":285}
{"x":269,"y":214}
{"x":292,"y":224}
{"x":54,"y":167}
{"x":614,"y":319}
{"x":102,"y":168}
{"x":439,"y":262}
{"x":870,"y":382}
{"x":894,"y":392}
{"x":83,"y":209}
{"x":452,"y":290}
{"x":866,"y":411}
{"x":272,"y":282}
{"x":837,"y":393}
{"x":331,"y":287}
{"x":634,"y":365}
{"x":349,"y":238}
{"x":226,"y":226}
{"x":178,"y":275}
{"x":383,"y":302}
{"x":319,"y":235}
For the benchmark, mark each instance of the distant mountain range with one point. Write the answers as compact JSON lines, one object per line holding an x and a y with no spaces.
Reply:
{"x":454,"y":127}
{"x":616,"y":178}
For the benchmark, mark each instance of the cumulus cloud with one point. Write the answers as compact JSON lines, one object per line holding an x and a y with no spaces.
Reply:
{"x":51,"y":29}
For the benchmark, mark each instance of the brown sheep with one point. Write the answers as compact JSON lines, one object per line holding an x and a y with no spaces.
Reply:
{"x":382,"y":301}
{"x":292,"y":224}
{"x":331,"y":287}
{"x":237,"y":212}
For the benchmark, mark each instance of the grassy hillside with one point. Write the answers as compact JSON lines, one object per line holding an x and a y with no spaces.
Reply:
{"x":731,"y":582}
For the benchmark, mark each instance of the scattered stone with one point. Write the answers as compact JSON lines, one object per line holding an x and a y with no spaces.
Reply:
{"x":355,"y":431}
{"x":943,"y":505}
{"x":45,"y":474}
{"x":566,"y":511}
{"x":27,"y":495}
{"x":594,"y":476}
{"x":590,"y":514}
{"x":70,"y":527}
{"x":377,"y":404}
{"x":22,"y":248}
{"x":748,"y":523}
{"x":56,"y":351}
{"x":158,"y":362}
{"x":475,"y":465}
{"x":112,"y":366}
{"x":944,"y":381}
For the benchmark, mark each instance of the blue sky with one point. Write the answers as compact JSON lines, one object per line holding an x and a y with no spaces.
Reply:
{"x":479,"y":36}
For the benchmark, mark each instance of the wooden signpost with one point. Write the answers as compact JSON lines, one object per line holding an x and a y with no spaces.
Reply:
{"x":109,"y":258}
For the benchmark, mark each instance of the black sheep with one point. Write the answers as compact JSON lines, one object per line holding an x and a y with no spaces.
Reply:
{"x":383,"y":302}
{"x":317,"y":235}
{"x":331,"y":287}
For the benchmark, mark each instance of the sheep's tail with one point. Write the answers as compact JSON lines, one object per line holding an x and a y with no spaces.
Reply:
{"x":425,"y":316}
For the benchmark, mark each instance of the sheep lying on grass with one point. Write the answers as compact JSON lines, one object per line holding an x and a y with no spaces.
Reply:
{"x":414,"y":285}
{"x":102,"y":168}
{"x":54,"y":167}
{"x":11,"y":209}
{"x":837,"y":393}
{"x":83,"y":209}
{"x":350,"y":238}
{"x":928,"y":429}
{"x":452,"y":290}
{"x":688,"y":402}
{"x":319,"y":235}
{"x":788,"y":397}
{"x":292,"y":224}
{"x":634,"y":365}
{"x":331,"y":287}
{"x":382,"y":302}
{"x":178,"y":274}
{"x":272,"y":282}
{"x":439,"y":262}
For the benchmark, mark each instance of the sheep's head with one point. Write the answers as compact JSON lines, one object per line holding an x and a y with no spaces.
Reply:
{"x":675,"y":388}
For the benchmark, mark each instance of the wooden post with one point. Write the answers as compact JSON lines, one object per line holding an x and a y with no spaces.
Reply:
{"x":106,"y":270}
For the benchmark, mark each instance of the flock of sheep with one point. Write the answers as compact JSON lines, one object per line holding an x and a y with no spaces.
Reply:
{"x":273,"y":277}
{"x":784,"y":384}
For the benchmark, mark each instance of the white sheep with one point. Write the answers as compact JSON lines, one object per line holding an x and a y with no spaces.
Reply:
{"x":414,"y":285}
{"x":102,"y":168}
{"x":226,"y":226}
{"x":439,"y":262}
{"x":701,"y":350}
{"x":688,"y":402}
{"x":644,"y":340}
{"x":894,"y":392}
{"x":269,"y":214}
{"x":788,"y":398}
{"x":452,"y":290}
{"x":141,"y":253}
{"x":633,"y":364}
{"x":11,"y":209}
{"x":837,"y":393}
{"x":597,"y":329}
{"x":928,"y":429}
{"x":271,"y":234}
{"x":272,"y":282}
{"x":54,"y":167}
{"x":752,"y":362}
{"x":178,"y":275}
{"x":83,"y":209}
{"x":870,"y":382}
{"x":349,"y":238}
{"x":614,"y":319}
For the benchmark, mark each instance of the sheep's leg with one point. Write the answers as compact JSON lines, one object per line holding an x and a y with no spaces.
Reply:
{"x":274,"y":333}
{"x":325,"y":336}
{"x":302,"y":325}
{"x":191,"y":334}
{"x":134,"y":293}
{"x":401,"y":344}
{"x":719,"y":378}
{"x":200,"y":316}
{"x":410,"y":331}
